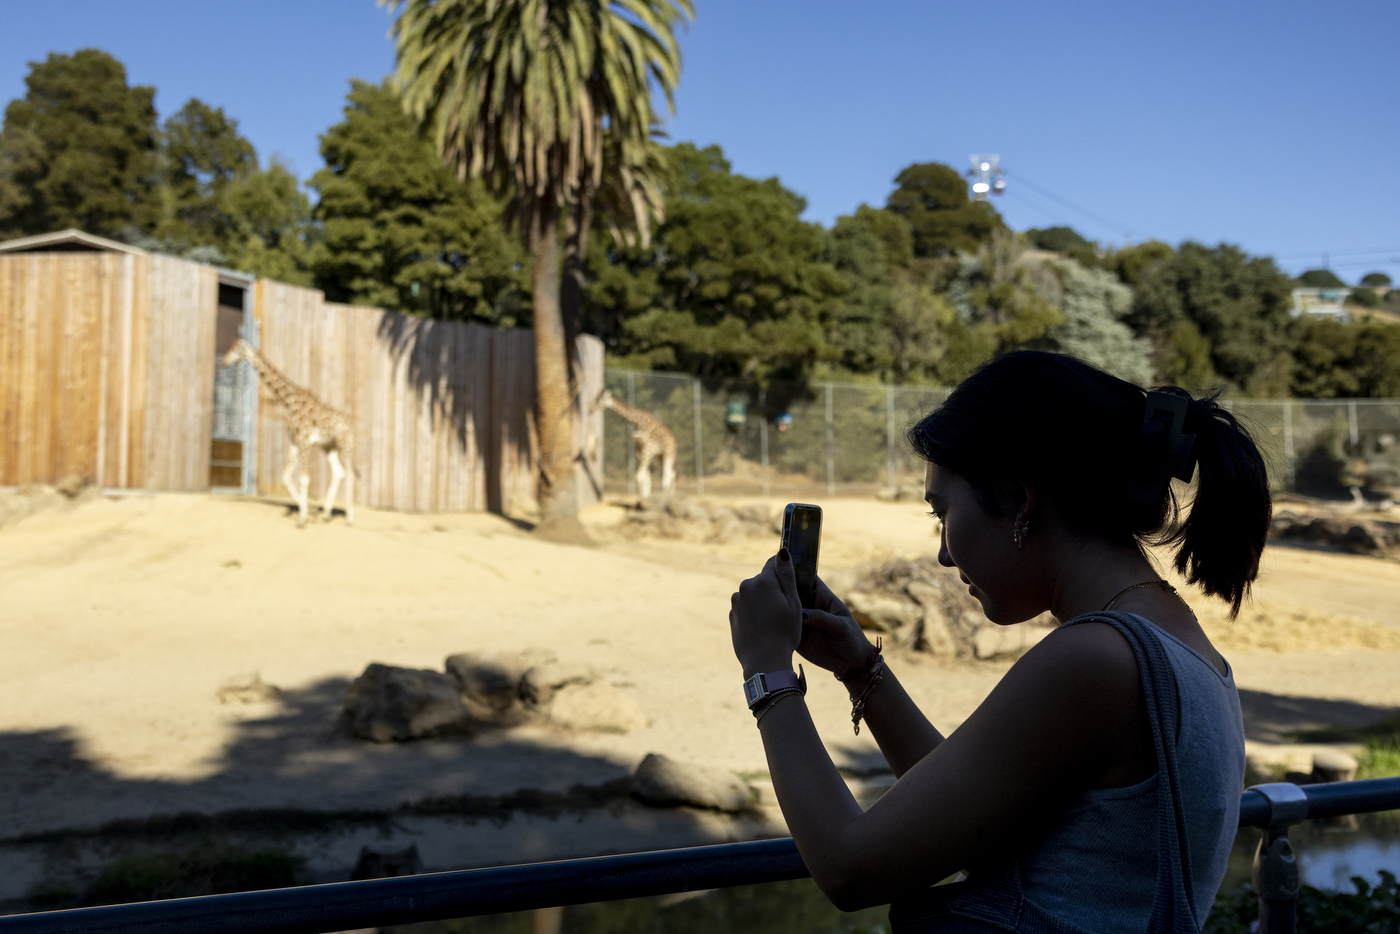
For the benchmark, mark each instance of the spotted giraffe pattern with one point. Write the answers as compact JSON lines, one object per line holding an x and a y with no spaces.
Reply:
{"x":652,"y":438}
{"x":311,"y":424}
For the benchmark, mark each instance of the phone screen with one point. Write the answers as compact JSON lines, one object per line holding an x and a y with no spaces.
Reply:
{"x":802,"y":535}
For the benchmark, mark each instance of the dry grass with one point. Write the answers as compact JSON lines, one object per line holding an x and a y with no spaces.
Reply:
{"x":1267,"y":626}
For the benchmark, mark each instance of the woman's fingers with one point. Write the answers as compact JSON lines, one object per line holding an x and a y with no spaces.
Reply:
{"x":828,"y":601}
{"x":829,"y":622}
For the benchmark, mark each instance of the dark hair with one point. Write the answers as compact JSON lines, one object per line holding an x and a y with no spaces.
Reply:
{"x":1077,"y":436}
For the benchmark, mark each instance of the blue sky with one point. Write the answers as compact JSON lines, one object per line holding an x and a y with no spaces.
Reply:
{"x":1268,"y":125}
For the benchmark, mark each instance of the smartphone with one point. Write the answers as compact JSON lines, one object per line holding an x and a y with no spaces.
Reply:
{"x":802,"y":536}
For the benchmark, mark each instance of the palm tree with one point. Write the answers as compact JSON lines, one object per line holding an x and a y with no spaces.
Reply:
{"x":549,"y":101}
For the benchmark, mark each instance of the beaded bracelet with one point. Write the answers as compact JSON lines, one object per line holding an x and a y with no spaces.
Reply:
{"x":870,"y":661}
{"x":773,"y":702}
{"x":858,"y":708}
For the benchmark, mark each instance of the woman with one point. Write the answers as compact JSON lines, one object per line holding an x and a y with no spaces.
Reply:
{"x":1097,"y":787}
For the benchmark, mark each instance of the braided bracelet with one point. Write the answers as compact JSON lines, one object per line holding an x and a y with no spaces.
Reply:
{"x":858,"y":708}
{"x":870,"y":661}
{"x":773,"y":702}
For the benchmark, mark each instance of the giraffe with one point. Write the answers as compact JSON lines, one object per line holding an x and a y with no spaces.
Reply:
{"x":311,"y":423}
{"x":652,"y":438}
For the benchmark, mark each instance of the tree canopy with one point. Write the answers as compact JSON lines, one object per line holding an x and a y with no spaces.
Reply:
{"x":400,"y":230}
{"x":80,"y":149}
{"x":933,"y":198}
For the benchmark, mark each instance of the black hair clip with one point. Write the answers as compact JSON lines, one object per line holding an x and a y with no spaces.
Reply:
{"x":1178,"y":460}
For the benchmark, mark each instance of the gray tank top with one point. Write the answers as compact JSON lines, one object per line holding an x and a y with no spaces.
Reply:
{"x":1097,"y":868}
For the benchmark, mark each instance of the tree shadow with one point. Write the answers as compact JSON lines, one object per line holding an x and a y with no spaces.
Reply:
{"x":1274,"y":718}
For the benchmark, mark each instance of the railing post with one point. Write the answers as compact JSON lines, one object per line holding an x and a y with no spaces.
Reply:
{"x":699,"y":445}
{"x":1275,"y":867}
{"x":830,"y":448}
{"x":631,"y":437}
{"x":763,"y":436}
{"x":889,"y":434}
{"x":1351,"y":423}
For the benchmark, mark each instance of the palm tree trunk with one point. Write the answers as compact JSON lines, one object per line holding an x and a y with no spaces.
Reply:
{"x":554,"y":402}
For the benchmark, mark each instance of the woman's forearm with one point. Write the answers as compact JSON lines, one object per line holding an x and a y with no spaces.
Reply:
{"x":904,"y":734}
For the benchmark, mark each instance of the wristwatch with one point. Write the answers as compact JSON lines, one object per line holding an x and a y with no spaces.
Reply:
{"x":763,"y":686}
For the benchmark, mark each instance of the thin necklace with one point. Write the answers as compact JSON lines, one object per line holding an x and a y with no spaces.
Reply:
{"x":1157,"y":583}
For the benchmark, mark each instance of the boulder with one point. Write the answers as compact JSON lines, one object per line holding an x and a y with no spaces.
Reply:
{"x":490,"y":684}
{"x":885,"y":614}
{"x":387,"y":704}
{"x":596,"y":706}
{"x":993,"y":640}
{"x":539,"y":685}
{"x":663,"y":782}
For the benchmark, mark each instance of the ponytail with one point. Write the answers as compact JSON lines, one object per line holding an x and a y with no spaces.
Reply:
{"x":1086,"y":440}
{"x":1223,"y":534}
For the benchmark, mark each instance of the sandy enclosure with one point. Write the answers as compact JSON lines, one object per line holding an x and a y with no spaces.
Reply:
{"x":122,"y":618}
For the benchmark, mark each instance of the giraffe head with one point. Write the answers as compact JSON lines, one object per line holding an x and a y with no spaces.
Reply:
{"x":604,"y":401}
{"x":239,"y":351}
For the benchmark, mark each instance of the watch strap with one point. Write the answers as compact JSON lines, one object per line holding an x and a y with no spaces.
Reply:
{"x":765,"y":684}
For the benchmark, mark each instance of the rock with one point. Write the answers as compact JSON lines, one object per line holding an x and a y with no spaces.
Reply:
{"x":885,"y":614}
{"x":663,"y":782}
{"x":490,"y":684}
{"x":374,"y":864}
{"x":1331,"y":765}
{"x":1360,"y":540}
{"x":993,"y":640}
{"x":728,"y":528}
{"x":247,"y":689}
{"x":596,"y":706}
{"x":388,"y":704}
{"x":539,"y":685}
{"x":936,"y":638}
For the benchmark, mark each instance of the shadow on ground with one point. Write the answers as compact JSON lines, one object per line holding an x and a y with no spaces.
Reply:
{"x":1273,"y":718}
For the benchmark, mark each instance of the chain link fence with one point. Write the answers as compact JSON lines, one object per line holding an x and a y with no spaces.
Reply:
{"x":805,"y":440}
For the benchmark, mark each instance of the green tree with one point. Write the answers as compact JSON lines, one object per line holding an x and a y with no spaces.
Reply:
{"x":1333,"y":359}
{"x":933,"y":200}
{"x":272,"y":231}
{"x":1320,"y":279}
{"x":1366,"y":298}
{"x":550,"y":101}
{"x":1241,"y":305}
{"x":1132,"y":262}
{"x":735,"y":283}
{"x":1095,"y":304}
{"x":79,"y":150}
{"x":203,"y":153}
{"x":400,"y":230}
{"x":1067,"y":241}
{"x":1375,"y":280}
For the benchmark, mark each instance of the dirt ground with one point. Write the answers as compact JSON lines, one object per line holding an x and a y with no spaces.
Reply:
{"x":121,"y":619}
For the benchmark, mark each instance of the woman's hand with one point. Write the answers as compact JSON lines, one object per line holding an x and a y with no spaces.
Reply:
{"x":831,"y":637}
{"x":765,"y":618}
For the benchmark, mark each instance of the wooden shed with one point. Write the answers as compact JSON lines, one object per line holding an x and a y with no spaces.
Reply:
{"x":110,"y":373}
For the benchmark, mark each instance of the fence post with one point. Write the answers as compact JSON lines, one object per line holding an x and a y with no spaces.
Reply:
{"x":699,"y":445}
{"x":1288,"y":443}
{"x":830,"y":448}
{"x":889,"y":433}
{"x":631,"y":441}
{"x":763,"y":437}
{"x":1355,"y":435}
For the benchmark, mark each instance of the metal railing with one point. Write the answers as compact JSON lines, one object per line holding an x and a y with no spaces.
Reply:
{"x":316,"y":909}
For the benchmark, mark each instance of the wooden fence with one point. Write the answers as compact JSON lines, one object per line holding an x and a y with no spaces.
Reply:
{"x":107,"y":368}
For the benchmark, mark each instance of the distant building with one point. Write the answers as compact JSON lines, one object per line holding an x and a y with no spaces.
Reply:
{"x":1321,"y":303}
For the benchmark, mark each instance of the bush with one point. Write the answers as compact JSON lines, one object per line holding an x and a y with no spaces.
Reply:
{"x":1373,"y":279}
{"x":207,"y":871}
{"x":1368,"y":909}
{"x":1366,"y":298}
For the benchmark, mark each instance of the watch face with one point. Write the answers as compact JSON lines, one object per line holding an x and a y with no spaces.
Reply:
{"x":754,"y":689}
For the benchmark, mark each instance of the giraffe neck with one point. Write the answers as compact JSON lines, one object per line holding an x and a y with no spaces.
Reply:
{"x":634,"y":417}
{"x":279,"y":385}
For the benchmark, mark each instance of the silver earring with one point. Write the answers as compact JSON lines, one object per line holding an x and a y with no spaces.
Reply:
{"x":1020,"y":530}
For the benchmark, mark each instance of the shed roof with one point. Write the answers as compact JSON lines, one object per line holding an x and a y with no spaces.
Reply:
{"x":70,"y":239}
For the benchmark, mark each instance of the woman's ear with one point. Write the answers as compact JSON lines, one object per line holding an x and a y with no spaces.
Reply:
{"x":1028,"y":501}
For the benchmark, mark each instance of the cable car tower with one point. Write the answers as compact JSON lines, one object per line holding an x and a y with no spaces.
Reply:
{"x":987,"y":175}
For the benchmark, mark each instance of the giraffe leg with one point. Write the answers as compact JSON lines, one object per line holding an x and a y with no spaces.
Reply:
{"x":644,"y":474}
{"x":290,"y":474}
{"x":303,"y":487}
{"x":337,"y":474}
{"x":668,"y":471}
{"x":349,"y":486}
